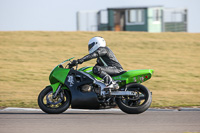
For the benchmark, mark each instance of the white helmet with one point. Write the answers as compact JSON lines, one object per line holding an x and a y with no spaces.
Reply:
{"x":96,"y":42}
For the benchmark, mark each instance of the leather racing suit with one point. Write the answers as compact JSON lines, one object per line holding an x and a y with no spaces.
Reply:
{"x":107,"y":63}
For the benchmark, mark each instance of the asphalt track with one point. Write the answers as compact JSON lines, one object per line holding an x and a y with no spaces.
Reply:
{"x":85,"y":121}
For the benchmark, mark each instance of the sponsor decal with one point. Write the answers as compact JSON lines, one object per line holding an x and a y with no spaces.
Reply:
{"x":118,"y":77}
{"x":134,"y":79}
{"x":142,"y":79}
{"x":71,"y":81}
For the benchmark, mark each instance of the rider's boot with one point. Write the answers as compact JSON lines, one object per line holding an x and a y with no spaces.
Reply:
{"x":110,"y":83}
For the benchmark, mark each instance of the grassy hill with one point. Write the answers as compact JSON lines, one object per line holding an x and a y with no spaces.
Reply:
{"x":27,"y":58}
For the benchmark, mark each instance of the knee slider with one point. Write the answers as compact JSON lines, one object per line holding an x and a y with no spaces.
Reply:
{"x":96,"y":70}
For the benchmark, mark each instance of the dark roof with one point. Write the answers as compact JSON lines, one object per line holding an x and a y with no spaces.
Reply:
{"x":132,"y":7}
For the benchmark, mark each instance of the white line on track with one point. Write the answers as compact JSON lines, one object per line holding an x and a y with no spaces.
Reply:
{"x":32,"y":109}
{"x":87,"y":110}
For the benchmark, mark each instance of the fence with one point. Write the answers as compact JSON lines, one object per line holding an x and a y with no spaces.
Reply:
{"x":174,"y":20}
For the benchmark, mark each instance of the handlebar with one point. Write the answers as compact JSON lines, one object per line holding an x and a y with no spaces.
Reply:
{"x":71,"y":65}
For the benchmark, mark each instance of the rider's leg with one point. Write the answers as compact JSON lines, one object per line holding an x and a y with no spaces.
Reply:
{"x":103,"y":72}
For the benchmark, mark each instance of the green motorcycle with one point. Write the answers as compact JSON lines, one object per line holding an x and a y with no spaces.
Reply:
{"x":81,"y":89}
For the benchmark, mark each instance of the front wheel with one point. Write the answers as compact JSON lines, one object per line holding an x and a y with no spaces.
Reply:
{"x":135,"y":104}
{"x":52,"y":105}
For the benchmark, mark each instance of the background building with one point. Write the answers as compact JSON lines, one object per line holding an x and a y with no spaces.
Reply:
{"x":139,"y":18}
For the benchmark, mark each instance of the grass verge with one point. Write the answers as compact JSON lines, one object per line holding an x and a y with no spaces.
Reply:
{"x":27,"y":58}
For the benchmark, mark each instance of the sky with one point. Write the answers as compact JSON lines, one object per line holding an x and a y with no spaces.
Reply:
{"x":60,"y":15}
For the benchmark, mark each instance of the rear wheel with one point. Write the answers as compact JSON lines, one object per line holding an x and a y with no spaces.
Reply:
{"x":135,"y":104}
{"x":52,"y":105}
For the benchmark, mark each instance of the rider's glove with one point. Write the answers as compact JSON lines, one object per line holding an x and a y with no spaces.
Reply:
{"x":74,"y":63}
{"x":80,"y":61}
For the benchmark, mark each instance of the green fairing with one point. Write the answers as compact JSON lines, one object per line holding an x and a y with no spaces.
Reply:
{"x":131,"y":76}
{"x":55,"y":87}
{"x":135,"y":76}
{"x":89,"y":71}
{"x":58,"y":75}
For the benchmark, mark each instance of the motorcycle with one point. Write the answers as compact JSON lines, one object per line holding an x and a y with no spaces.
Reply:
{"x":81,"y":89}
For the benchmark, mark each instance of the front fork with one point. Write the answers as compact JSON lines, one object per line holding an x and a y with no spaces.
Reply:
{"x":56,"y":89}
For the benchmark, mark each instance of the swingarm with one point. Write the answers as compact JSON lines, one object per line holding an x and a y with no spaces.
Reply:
{"x":124,"y":93}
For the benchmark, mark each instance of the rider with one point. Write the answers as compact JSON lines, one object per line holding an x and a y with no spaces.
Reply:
{"x":107,"y":64}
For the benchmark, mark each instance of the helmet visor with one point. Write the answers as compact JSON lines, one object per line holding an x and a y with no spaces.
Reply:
{"x":91,"y":45}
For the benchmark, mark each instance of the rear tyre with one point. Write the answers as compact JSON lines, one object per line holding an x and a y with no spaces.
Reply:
{"x":56,"y":105}
{"x":137,"y":104}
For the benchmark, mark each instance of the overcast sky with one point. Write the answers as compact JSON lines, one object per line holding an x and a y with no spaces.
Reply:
{"x":60,"y":15}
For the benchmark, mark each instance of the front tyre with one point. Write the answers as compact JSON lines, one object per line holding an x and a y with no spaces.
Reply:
{"x":52,"y":105}
{"x":135,"y":104}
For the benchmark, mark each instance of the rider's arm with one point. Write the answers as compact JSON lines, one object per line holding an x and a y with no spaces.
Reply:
{"x":98,"y":53}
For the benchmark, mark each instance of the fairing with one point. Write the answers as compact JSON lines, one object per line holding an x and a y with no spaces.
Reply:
{"x":81,"y":100}
{"x":131,"y":76}
{"x":58,"y":75}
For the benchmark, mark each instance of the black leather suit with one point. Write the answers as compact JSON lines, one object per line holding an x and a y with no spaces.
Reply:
{"x":107,"y":64}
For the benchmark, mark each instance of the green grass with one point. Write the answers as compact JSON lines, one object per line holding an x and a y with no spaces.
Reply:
{"x":27,"y":58}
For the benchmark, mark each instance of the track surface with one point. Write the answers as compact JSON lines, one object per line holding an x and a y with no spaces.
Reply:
{"x":99,"y":121}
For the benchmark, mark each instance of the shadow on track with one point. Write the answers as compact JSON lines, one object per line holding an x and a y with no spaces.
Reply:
{"x":70,"y":113}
